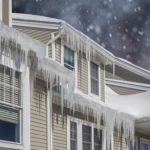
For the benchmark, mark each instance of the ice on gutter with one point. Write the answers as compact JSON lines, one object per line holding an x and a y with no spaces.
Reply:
{"x":112,"y":117}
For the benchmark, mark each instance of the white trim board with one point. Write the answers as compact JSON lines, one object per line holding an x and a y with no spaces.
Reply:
{"x":128,"y":84}
{"x":26,"y":23}
{"x":1,"y":13}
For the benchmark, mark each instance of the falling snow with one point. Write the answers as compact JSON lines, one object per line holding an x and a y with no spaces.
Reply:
{"x":100,"y":18}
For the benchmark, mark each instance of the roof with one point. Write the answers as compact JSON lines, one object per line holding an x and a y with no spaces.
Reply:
{"x":47,"y":22}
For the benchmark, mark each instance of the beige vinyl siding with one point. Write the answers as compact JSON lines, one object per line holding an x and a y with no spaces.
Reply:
{"x":123,"y":90}
{"x":58,"y":50}
{"x":40,"y":34}
{"x":82,"y":74}
{"x":50,"y":51}
{"x":43,"y":35}
{"x":102,"y":82}
{"x":39,"y":117}
{"x":59,"y":132}
{"x":5,"y":11}
{"x":119,"y":143}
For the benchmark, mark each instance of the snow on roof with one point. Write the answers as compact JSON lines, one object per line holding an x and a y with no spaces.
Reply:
{"x":137,"y":105}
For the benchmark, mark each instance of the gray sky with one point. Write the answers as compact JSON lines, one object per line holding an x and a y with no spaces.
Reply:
{"x":121,"y":26}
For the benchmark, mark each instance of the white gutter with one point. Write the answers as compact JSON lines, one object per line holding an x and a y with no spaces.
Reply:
{"x":128,"y":84}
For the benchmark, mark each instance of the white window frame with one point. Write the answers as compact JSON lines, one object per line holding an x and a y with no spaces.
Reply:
{"x":75,"y":61}
{"x":145,"y":141}
{"x":62,"y":61}
{"x":96,"y":97}
{"x":1,"y":10}
{"x":9,"y":144}
{"x":79,"y":123}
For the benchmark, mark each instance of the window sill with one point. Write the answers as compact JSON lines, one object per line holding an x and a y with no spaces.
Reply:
{"x":11,"y":145}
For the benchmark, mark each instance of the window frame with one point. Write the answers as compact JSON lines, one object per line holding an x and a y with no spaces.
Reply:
{"x":145,"y":141}
{"x":63,"y":49}
{"x":79,"y":123}
{"x":96,"y":97}
{"x":11,"y":144}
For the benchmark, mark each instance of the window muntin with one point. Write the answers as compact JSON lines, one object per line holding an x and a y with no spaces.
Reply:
{"x":92,"y":138}
{"x":10,"y":104}
{"x":73,"y":136}
{"x":94,"y":78}
{"x":68,"y":58}
{"x":86,"y":137}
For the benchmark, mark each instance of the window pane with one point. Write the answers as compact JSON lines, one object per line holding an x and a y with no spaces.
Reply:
{"x":10,"y":85}
{"x":94,"y":87}
{"x":94,"y":70}
{"x":68,"y":58}
{"x":144,"y":146}
{"x":73,"y":136}
{"x":94,"y":79}
{"x":97,"y":139}
{"x":86,"y":135}
{"x":9,"y":124}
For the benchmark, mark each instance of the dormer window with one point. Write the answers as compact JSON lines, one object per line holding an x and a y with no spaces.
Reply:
{"x":68,"y":58}
{"x":94,"y":79}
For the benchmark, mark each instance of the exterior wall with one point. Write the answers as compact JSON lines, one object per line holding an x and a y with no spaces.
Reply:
{"x":82,"y":75}
{"x":5,"y":11}
{"x":58,"y":50}
{"x":39,"y":117}
{"x":59,"y":132}
{"x":119,"y":143}
{"x":102,"y":82}
{"x":124,"y":91}
{"x":43,"y":35}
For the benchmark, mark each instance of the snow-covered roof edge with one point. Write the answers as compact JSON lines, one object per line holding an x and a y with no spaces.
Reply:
{"x":116,"y":60}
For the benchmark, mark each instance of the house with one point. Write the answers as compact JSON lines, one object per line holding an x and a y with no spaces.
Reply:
{"x":60,"y":90}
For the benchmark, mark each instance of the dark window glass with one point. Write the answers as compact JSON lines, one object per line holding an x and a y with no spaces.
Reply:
{"x":87,"y":139}
{"x":73,"y":136}
{"x":97,"y":139}
{"x":68,"y":58}
{"x":94,"y":78}
{"x":9,"y":124}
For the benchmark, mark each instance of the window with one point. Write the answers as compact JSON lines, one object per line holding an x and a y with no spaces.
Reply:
{"x":68,"y":58}
{"x":87,"y":139}
{"x":145,"y":144}
{"x":73,"y":136}
{"x":94,"y":78}
{"x":84,"y":136}
{"x":10,"y":104}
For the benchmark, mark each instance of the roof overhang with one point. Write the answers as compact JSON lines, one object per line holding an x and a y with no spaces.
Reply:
{"x":143,"y":126}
